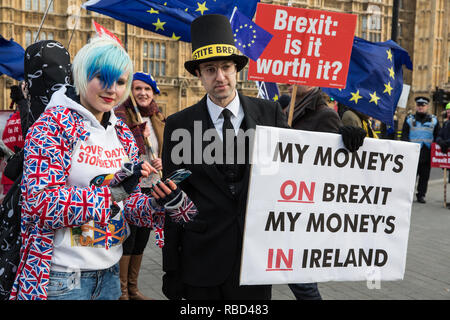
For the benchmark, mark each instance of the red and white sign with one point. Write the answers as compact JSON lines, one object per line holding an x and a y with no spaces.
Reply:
{"x":309,"y":47}
{"x":439,"y":159}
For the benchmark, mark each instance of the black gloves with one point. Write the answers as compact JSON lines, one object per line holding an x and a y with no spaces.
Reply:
{"x":172,"y":286}
{"x":132,"y":174}
{"x":353,"y":137}
{"x":14,"y":166}
{"x":125,"y":181}
{"x":16,"y":94}
{"x":173,"y":198}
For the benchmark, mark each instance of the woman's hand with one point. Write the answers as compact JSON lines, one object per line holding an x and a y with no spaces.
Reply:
{"x":166,"y":193}
{"x":147,"y":169}
{"x":146,"y":132}
{"x":157,"y":164}
{"x":127,"y":178}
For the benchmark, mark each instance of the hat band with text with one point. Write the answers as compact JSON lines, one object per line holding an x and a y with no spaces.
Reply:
{"x":214,"y":50}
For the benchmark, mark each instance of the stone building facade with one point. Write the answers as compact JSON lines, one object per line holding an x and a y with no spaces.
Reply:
{"x":424,"y":32}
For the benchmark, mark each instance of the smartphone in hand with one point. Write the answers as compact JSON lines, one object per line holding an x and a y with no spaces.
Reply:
{"x":179,"y":175}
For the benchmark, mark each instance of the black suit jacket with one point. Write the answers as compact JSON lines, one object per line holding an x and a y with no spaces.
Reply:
{"x":205,"y":250}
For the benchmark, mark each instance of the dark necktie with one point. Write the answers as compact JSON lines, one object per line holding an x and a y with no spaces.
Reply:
{"x":227,"y":126}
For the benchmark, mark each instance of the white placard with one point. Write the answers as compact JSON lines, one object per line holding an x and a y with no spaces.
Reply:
{"x":316,"y":212}
{"x":403,"y":100}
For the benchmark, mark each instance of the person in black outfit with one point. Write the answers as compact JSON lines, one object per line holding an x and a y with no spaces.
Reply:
{"x":443,"y":138}
{"x":202,"y":259}
{"x":421,"y":128}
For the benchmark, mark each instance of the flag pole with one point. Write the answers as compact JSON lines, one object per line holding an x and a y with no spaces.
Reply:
{"x":445,"y":187}
{"x":126,"y":37}
{"x":232,"y":14}
{"x":292,"y":104}
{"x":293,"y":93}
{"x":146,"y":139}
{"x":42,"y":21}
{"x":73,"y":30}
{"x":148,"y":144}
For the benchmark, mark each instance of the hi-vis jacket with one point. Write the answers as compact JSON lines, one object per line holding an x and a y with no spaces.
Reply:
{"x":421,"y":132}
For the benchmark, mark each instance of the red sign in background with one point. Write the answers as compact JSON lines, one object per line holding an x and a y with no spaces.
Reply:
{"x":309,"y":47}
{"x":439,"y":159}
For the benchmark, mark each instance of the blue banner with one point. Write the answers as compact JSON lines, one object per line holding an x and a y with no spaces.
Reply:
{"x":171,"y":18}
{"x":375,"y":79}
{"x":11,"y":59}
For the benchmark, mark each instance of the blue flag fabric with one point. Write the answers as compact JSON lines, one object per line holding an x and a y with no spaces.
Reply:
{"x":171,"y":18}
{"x":11,"y":59}
{"x":375,"y":79}
{"x":268,"y":90}
{"x":249,"y":38}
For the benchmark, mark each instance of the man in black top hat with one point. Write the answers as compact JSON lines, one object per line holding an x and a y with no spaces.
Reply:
{"x":202,"y":259}
{"x":421,"y":128}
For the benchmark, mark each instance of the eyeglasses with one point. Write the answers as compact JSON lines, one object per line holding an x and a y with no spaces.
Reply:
{"x":211,"y":70}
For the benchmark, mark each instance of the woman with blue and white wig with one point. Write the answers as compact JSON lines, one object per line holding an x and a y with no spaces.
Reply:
{"x":80,"y":185}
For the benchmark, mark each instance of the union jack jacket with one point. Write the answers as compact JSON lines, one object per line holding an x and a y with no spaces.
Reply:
{"x":48,"y":204}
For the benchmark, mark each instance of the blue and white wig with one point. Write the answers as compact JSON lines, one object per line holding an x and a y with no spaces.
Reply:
{"x":105,"y":57}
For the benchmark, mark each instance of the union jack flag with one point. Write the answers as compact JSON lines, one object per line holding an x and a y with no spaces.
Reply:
{"x":186,"y":212}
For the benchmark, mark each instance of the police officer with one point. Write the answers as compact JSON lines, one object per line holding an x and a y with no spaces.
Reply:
{"x":422,"y":128}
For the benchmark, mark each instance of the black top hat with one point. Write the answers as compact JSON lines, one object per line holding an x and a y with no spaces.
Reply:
{"x":422,"y":101}
{"x":212,"y":39}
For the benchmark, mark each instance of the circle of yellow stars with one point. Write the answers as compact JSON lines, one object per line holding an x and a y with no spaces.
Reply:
{"x":387,"y":86}
{"x":159,"y":25}
{"x":251,"y":41}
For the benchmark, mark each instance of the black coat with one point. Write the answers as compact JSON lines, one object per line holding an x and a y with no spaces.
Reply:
{"x":313,"y":114}
{"x":205,"y":250}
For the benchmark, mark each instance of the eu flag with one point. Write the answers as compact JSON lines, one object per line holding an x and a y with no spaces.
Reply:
{"x":171,"y":18}
{"x":11,"y":59}
{"x":268,"y":90}
{"x":375,"y":79}
{"x":249,"y":38}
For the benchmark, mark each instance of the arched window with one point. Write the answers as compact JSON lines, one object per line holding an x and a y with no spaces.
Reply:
{"x":28,"y":38}
{"x":154,"y":58}
{"x":42,"y":5}
{"x":157,"y":51}
{"x":145,"y":53}
{"x":150,"y":50}
{"x":163,"y":51}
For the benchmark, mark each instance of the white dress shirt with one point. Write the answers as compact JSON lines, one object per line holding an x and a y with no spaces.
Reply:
{"x":215,"y":112}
